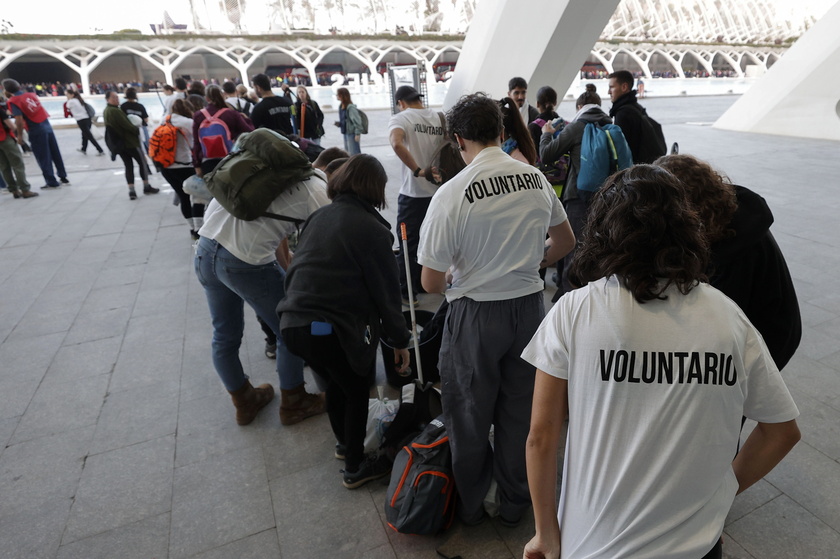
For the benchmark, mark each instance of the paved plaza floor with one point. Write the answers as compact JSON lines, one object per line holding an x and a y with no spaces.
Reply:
{"x":117,"y":439}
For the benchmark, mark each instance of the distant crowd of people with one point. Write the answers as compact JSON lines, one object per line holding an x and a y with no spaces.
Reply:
{"x":673,"y":315}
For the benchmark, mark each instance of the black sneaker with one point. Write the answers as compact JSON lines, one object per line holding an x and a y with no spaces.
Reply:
{"x":148,"y":189}
{"x":132,"y":194}
{"x":374,"y":467}
{"x":51,"y":187}
{"x":270,"y":349}
{"x":340,"y":451}
{"x":64,"y":180}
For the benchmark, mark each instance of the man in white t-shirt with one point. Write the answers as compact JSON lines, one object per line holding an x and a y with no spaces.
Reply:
{"x":415,"y":133}
{"x":487,"y":226}
{"x":654,"y":370}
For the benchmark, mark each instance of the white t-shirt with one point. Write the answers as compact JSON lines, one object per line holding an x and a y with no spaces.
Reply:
{"x":76,"y":109}
{"x":169,"y":99}
{"x":255,"y":241}
{"x":488,"y":223}
{"x":423,"y":135}
{"x":656,"y":395}
{"x":183,"y":148}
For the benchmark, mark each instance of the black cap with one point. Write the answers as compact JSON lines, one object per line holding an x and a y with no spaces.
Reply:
{"x":406,"y":93}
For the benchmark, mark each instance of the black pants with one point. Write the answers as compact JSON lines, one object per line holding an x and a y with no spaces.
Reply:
{"x":410,"y":211}
{"x":716,"y":552}
{"x":87,"y":135}
{"x":176,"y":177}
{"x":347,"y":393}
{"x":130,"y":155}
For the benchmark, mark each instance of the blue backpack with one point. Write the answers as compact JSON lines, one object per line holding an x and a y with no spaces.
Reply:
{"x":214,"y":135}
{"x":603,"y":151}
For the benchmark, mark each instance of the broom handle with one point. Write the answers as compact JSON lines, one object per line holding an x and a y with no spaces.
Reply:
{"x":404,"y":237}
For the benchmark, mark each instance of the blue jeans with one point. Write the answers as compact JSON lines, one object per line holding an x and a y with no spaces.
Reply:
{"x":228,"y":284}
{"x":351,"y":146}
{"x":46,"y":151}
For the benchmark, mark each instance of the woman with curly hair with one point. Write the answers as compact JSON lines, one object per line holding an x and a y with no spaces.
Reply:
{"x":746,"y":263}
{"x":653,"y":369}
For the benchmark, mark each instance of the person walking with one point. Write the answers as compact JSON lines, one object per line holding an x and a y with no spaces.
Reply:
{"x":123,"y":139}
{"x":182,"y":118}
{"x":132,"y":106}
{"x":12,"y":168}
{"x":216,"y":107}
{"x":76,"y":108}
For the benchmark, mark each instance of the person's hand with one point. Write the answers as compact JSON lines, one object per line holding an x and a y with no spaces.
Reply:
{"x":358,"y":138}
{"x":537,"y":549}
{"x":337,"y":123}
{"x":402,"y":358}
{"x":198,"y":172}
{"x":548,"y":128}
{"x":436,"y":178}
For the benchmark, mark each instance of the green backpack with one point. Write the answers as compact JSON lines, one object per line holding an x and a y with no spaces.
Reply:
{"x":262,"y":165}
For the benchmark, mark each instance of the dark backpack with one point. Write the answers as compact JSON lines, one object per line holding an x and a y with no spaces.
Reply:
{"x":214,"y":135}
{"x":603,"y":151}
{"x":91,"y":112}
{"x":446,"y":162}
{"x":264,"y":165}
{"x":653,"y":143}
{"x":421,"y":496}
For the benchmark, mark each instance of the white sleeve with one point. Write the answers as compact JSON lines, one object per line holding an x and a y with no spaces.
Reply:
{"x":767,"y":398}
{"x":548,"y":349}
{"x":437,"y":244}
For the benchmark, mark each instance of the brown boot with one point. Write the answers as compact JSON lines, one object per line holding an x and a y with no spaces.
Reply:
{"x":297,"y":404}
{"x":249,"y":401}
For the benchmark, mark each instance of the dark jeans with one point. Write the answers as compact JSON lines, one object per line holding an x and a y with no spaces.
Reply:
{"x":87,"y":135}
{"x":176,"y":177}
{"x":47,"y":154}
{"x":410,"y":211}
{"x":130,"y":155}
{"x":347,"y":393}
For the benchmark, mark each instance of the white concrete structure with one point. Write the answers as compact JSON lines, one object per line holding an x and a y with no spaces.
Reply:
{"x":800,"y":96}
{"x":543,"y":41}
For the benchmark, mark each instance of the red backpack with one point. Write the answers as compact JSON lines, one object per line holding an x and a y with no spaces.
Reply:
{"x":214,"y":135}
{"x":30,"y":106}
{"x":164,"y":142}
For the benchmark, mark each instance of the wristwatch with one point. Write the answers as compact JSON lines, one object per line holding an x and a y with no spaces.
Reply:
{"x":417,"y":172}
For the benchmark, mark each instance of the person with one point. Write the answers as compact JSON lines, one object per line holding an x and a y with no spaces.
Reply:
{"x":216,"y":107}
{"x":30,"y":114}
{"x":328,"y":156}
{"x":632,"y":119}
{"x":12,"y":168}
{"x":546,"y":103}
{"x":132,"y":106}
{"x":349,"y":121}
{"x":182,"y":169}
{"x":653,"y":368}
{"x":196,"y":95}
{"x":75,"y":107}
{"x":273,"y":111}
{"x":339,"y":297}
{"x":518,"y":91}
{"x":236,"y":262}
{"x":746,"y":263}
{"x":309,"y":120}
{"x":415,"y":133}
{"x":487,"y":226}
{"x":125,"y":143}
{"x":516,"y":141}
{"x":179,"y":93}
{"x":570,"y":140}
{"x":239,"y":104}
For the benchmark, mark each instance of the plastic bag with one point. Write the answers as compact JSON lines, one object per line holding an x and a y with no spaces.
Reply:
{"x":381,"y":412}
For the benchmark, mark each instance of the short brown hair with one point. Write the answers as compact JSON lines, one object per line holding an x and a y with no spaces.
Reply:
{"x":328,"y":155}
{"x":710,"y":191}
{"x":643,"y":229}
{"x":362,"y":175}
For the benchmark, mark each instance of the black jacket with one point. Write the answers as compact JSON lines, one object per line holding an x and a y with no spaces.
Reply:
{"x":569,"y":141}
{"x":344,"y":273}
{"x":750,"y":269}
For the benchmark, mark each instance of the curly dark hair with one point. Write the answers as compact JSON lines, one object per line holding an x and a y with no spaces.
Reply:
{"x":710,"y":191}
{"x":643,"y":229}
{"x":475,"y":117}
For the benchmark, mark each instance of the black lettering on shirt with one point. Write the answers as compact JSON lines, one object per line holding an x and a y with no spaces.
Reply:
{"x":702,"y":368}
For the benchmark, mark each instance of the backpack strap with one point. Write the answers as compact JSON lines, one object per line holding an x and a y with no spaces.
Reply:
{"x":295,"y":220}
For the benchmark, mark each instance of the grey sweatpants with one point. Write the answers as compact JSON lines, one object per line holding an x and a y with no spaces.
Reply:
{"x":484,"y":382}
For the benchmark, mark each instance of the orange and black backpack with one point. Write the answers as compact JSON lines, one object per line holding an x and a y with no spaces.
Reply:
{"x":421,"y":496}
{"x":163,"y":144}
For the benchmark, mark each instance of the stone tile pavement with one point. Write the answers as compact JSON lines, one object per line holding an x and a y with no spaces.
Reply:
{"x":117,"y":439}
